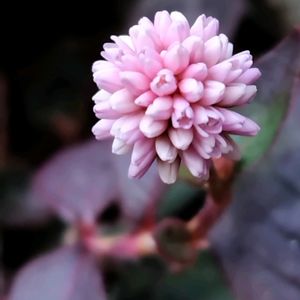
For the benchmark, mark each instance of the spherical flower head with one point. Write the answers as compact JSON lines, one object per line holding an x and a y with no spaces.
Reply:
{"x":166,"y":93}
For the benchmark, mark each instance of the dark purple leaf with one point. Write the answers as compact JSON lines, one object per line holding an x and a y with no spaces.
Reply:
{"x":66,"y":274}
{"x":229,"y":12}
{"x":80,"y":182}
{"x":258,"y":240}
{"x":136,"y":195}
{"x":279,"y":68}
{"x":288,"y":11}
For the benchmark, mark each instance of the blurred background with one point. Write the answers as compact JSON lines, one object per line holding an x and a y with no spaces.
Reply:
{"x":46,"y":88}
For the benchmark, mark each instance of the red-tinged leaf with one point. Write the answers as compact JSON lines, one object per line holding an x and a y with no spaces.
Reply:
{"x":258,"y":239}
{"x":229,"y":13}
{"x":80,"y":182}
{"x":279,"y":68}
{"x":66,"y":274}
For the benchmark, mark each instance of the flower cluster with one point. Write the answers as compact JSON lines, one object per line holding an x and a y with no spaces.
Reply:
{"x":166,"y":90}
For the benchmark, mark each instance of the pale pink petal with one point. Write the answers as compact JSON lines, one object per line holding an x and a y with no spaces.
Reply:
{"x":143,"y":155}
{"x":150,"y":31}
{"x":203,"y":146}
{"x":162,"y":22}
{"x":126,"y":126}
{"x":220,"y":71}
{"x":165,"y":150}
{"x":108,"y":79}
{"x":135,"y":136}
{"x":200,"y":114}
{"x":102,"y":128}
{"x":152,"y":128}
{"x":200,"y":131}
{"x":122,"y":101}
{"x":191,"y":89}
{"x":226,"y":47}
{"x":124,"y":42}
{"x":102,"y":65}
{"x":178,"y":18}
{"x":250,"y":92}
{"x":194,"y":45}
{"x":197,"y":71}
{"x":168,"y":171}
{"x":161,"y":108}
{"x":112,"y":53}
{"x":195,"y":163}
{"x":204,"y":115}
{"x":135,"y":82}
{"x":211,"y":28}
{"x":151,"y":62}
{"x":104,"y":110}
{"x":229,"y":51}
{"x":178,"y":30}
{"x":212,"y":127}
{"x":212,"y":51}
{"x":164,"y":83}
{"x":129,"y":62}
{"x":181,"y":138}
{"x":138,"y":171}
{"x":238,"y":124}
{"x":198,"y":27}
{"x":176,"y":58}
{"x":101,"y":96}
{"x":232,"y":94}
{"x":213,"y":92}
{"x":238,"y":94}
{"x":249,"y":76}
{"x":183,"y":114}
{"x":120,"y":147}
{"x":242,"y":60}
{"x":213,"y":146}
{"x":140,"y":38}
{"x":141,"y":149}
{"x":145,"y":99}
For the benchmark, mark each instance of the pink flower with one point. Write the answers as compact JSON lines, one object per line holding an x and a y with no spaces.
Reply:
{"x":166,"y":90}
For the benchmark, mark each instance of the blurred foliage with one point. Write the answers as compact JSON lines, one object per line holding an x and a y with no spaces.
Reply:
{"x":49,"y":87}
{"x":201,"y":281}
{"x":274,"y":98}
{"x":18,"y":205}
{"x":80,"y":182}
{"x":258,"y":238}
{"x":149,"y":280}
{"x":136,"y":280}
{"x":45,"y":277}
{"x":21,"y":245}
{"x":174,"y":241}
{"x":182,"y":200}
{"x":288,"y":10}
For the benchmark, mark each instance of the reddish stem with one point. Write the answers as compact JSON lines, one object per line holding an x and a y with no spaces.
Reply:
{"x":142,"y":242}
{"x":218,"y":198}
